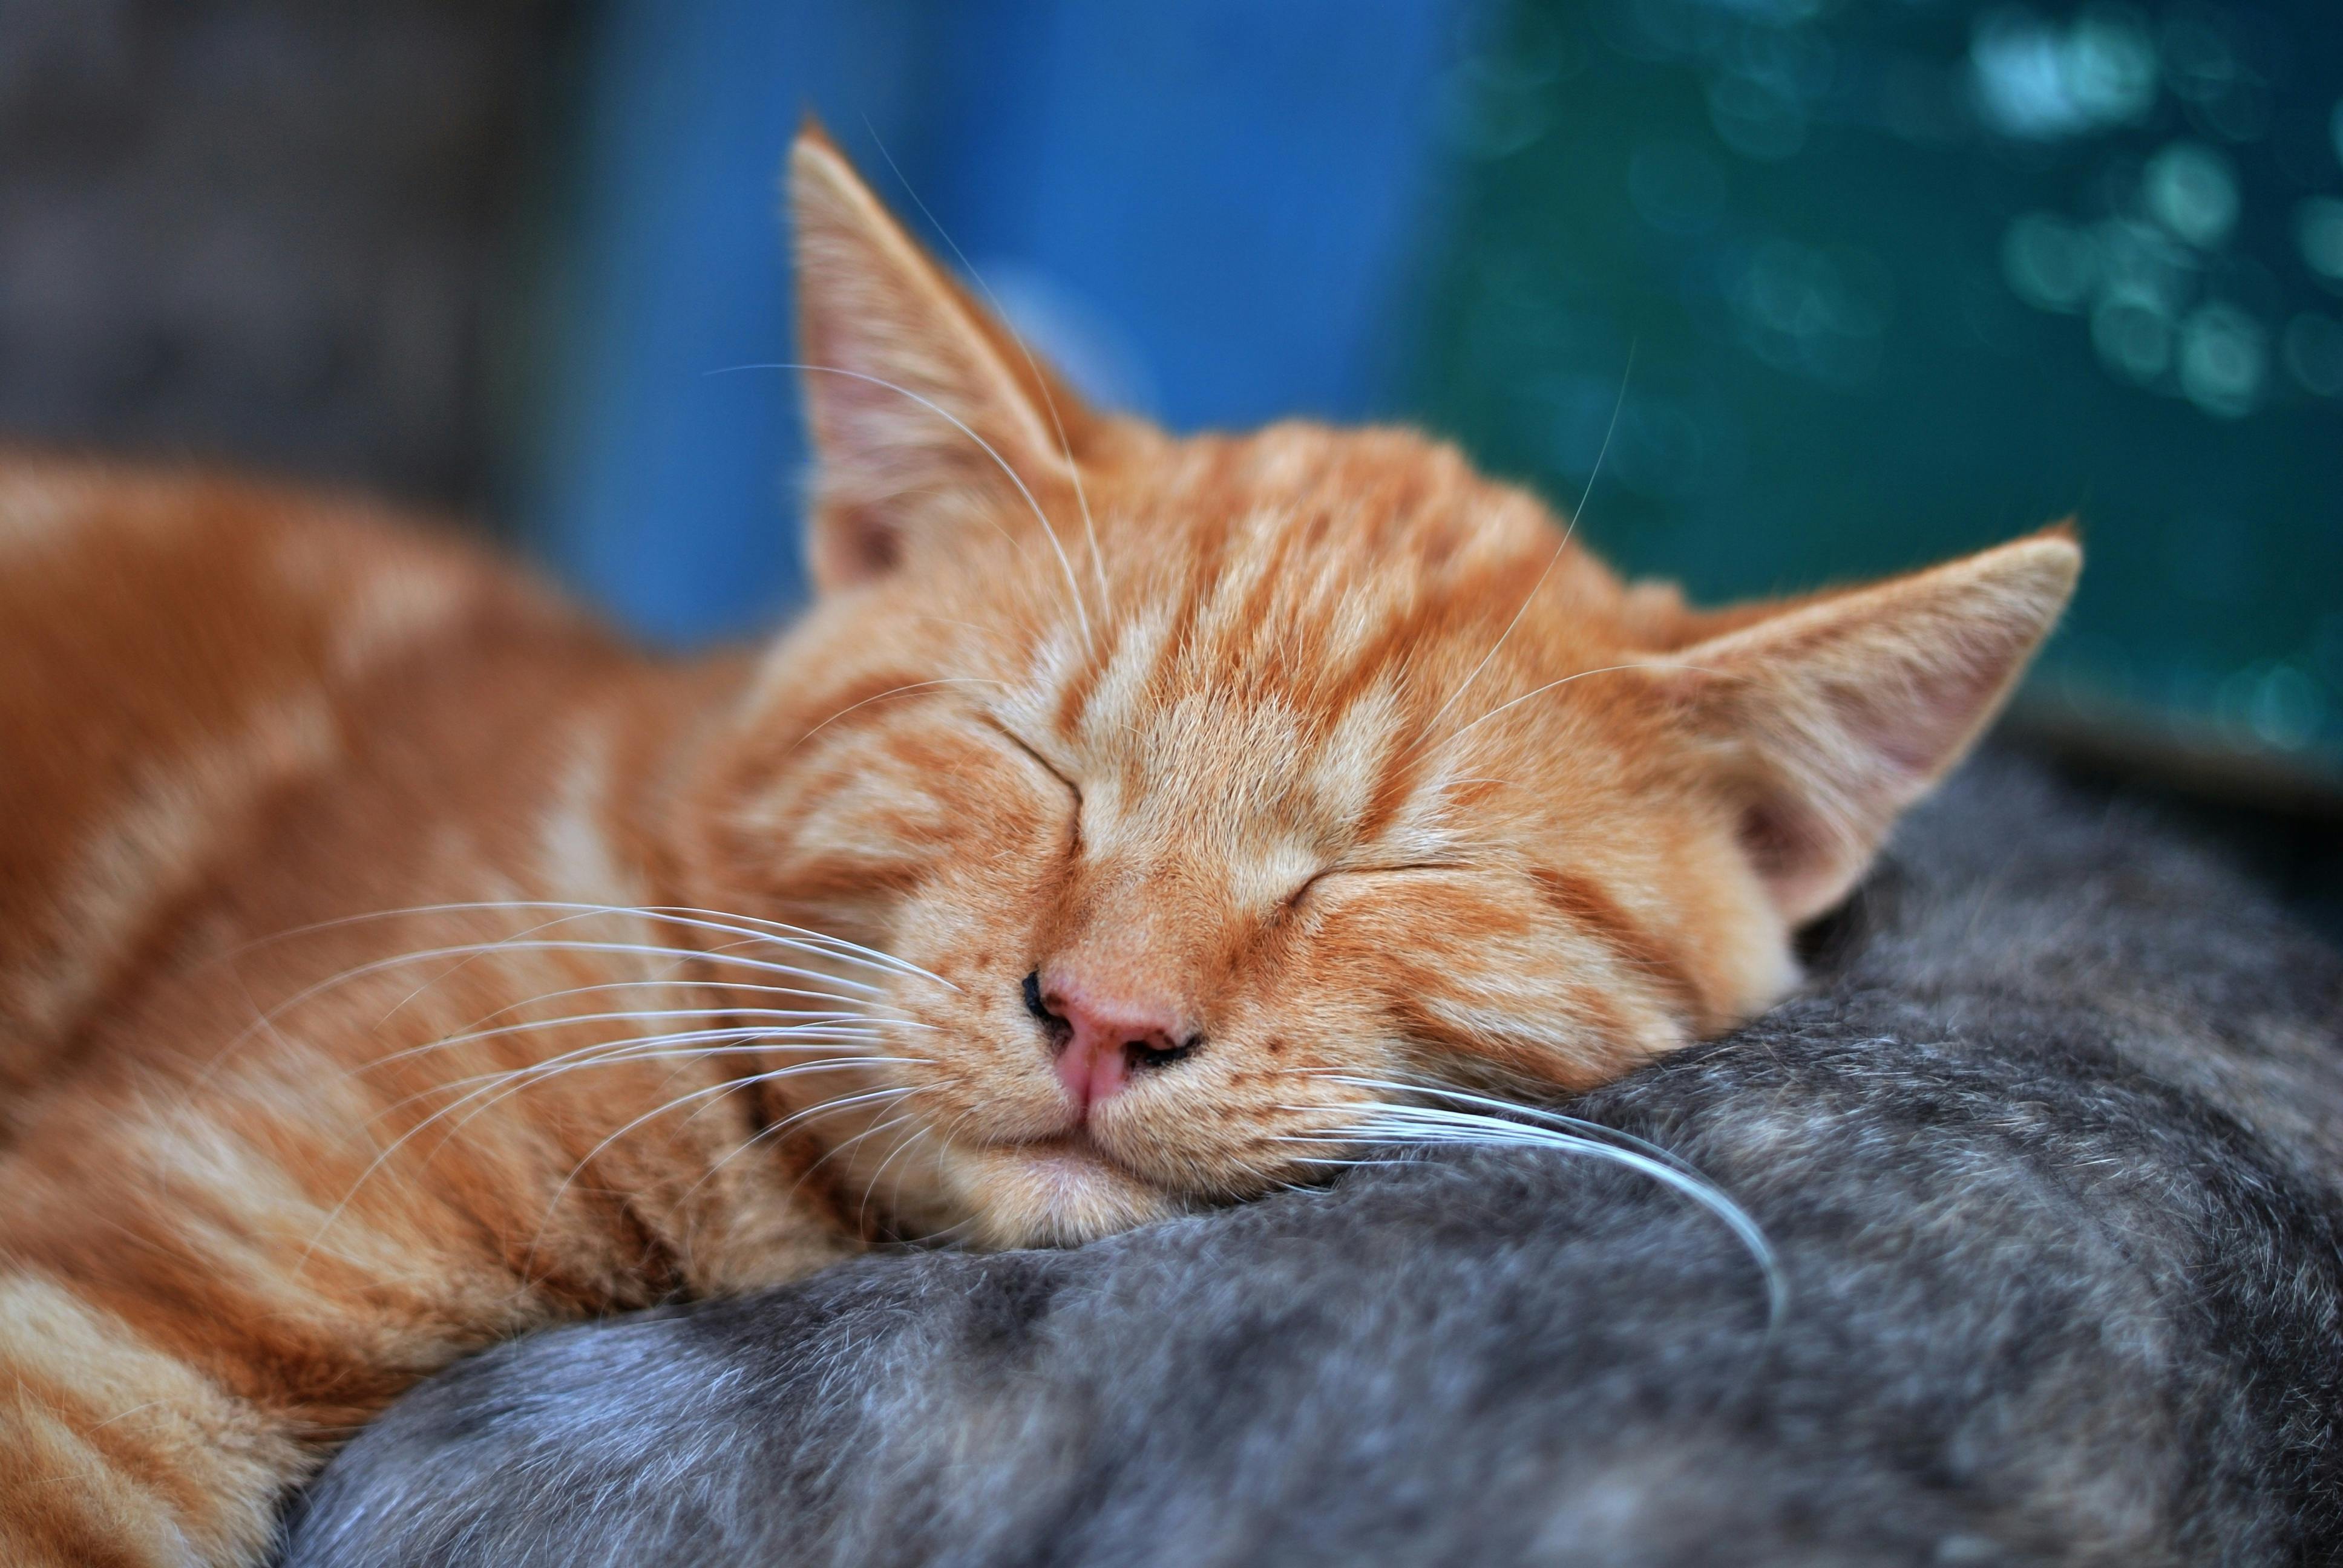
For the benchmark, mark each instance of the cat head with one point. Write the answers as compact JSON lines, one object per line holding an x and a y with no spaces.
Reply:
{"x":1183,"y":781}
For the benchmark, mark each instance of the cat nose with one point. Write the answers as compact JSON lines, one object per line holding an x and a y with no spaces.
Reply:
{"x":1103,"y":1039}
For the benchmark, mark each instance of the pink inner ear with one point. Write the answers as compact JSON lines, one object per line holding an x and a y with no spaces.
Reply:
{"x":1778,"y":840}
{"x":1850,"y":706}
{"x":1881,"y":742}
{"x":854,"y":543}
{"x":905,"y":381}
{"x":1806,"y":866}
{"x":1919,"y":715}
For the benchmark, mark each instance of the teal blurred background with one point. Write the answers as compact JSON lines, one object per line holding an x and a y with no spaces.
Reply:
{"x":1904,"y":278}
{"x":1789,"y":290}
{"x":1864,"y":283}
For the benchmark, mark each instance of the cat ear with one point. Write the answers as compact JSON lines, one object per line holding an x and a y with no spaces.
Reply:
{"x":1834,"y":713}
{"x":922,"y":403}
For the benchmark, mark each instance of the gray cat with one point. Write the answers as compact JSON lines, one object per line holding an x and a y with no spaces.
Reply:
{"x":2049,"y":1152}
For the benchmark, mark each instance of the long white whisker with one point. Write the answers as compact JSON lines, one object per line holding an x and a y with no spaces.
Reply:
{"x":1552,"y":560}
{"x":597,"y":1054}
{"x":797,"y":937}
{"x":763,"y":1132}
{"x":1056,"y":548}
{"x":862,"y":1210}
{"x":1539,"y":1113}
{"x":595,"y":1154}
{"x":892,"y":691}
{"x":728,"y":921}
{"x":824,"y":1107}
{"x":575,"y":945}
{"x":859,"y":1025}
{"x":843,"y":1145}
{"x":879,"y":955}
{"x":662,"y":1048}
{"x":1549,"y":686}
{"x":729,"y":988}
{"x":1398,"y":1125}
{"x":807,"y":1018}
{"x":681,"y":1044}
{"x":469,"y":951}
{"x":526,"y":1075}
{"x":509,"y":940}
{"x":268,"y":1019}
{"x":1057,"y":424}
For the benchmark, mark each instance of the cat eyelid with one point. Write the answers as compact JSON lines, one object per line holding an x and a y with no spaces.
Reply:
{"x":1028,"y":748}
{"x":1401,"y":868}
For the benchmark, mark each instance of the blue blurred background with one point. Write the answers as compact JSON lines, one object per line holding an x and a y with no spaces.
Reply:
{"x":1863,"y":282}
{"x":1211,"y":212}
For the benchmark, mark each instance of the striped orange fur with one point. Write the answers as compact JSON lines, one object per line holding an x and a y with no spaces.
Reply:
{"x":390,"y":961}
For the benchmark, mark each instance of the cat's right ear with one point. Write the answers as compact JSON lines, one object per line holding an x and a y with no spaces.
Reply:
{"x":1830,"y":714}
{"x":926,"y":414}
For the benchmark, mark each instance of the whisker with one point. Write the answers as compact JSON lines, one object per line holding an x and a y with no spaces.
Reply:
{"x":594,"y":1153}
{"x":731,"y":924}
{"x":879,"y":955}
{"x":1606,"y":669}
{"x":899,"y":1092}
{"x":468,"y":950}
{"x":514,"y":1081}
{"x":680,"y":1045}
{"x":720,"y":953}
{"x":1539,"y":1113}
{"x":892,"y":691}
{"x":862,"y":1211}
{"x":724,"y":920}
{"x":1399,"y":1125}
{"x":530,"y":1076}
{"x":575,"y":945}
{"x":844,"y":1144}
{"x":730,"y":987}
{"x":1552,"y":560}
{"x":1056,"y":423}
{"x":687,"y":1045}
{"x":859,"y":1024}
{"x":763,"y":1132}
{"x":509,"y":939}
{"x":1056,"y":548}
{"x":268,"y":1020}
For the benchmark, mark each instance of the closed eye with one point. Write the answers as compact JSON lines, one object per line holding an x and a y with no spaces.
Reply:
{"x":1401,"y":868}
{"x":1046,"y":766}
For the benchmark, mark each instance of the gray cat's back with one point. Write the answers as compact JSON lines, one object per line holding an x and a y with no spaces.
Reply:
{"x":2048,"y":1153}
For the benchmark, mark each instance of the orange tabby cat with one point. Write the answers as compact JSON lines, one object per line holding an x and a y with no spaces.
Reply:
{"x":390,"y":961}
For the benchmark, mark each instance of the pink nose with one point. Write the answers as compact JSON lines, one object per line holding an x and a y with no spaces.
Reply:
{"x":1101,"y":1039}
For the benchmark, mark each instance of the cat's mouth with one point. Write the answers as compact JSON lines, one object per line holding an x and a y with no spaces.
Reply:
{"x":1056,"y":1191}
{"x":1073,"y":1150}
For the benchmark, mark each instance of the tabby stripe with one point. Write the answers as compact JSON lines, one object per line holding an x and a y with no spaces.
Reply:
{"x":1583,"y":901}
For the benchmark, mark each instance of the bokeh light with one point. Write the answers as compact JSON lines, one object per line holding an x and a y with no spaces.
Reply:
{"x":1899,"y":279}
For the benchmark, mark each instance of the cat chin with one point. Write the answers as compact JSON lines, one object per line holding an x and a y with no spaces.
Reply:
{"x":1056,"y":1194}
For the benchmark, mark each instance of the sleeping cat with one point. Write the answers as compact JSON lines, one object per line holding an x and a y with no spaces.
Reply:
{"x":2049,"y":1148}
{"x":390,"y":961}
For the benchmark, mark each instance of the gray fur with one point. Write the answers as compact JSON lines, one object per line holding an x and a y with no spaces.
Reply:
{"x":2049,"y":1149}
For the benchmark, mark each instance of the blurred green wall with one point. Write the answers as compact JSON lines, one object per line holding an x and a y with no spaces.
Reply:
{"x":1902,"y":278}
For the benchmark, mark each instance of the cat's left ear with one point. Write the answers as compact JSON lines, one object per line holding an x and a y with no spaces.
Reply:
{"x":923,"y":407}
{"x":1830,"y":715}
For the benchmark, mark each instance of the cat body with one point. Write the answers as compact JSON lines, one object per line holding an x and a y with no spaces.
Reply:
{"x":2046,"y":1147}
{"x":390,"y":961}
{"x":240,"y":714}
